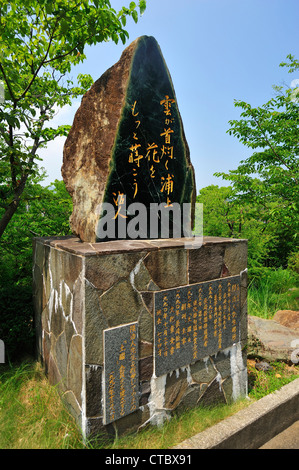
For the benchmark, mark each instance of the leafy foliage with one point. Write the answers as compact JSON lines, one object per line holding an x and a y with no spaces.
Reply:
{"x":40,"y":41}
{"x":46,"y":212}
{"x":224,"y":216}
{"x":268,"y":179}
{"x":272,"y":290}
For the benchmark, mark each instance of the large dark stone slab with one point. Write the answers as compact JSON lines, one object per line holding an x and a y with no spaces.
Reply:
{"x":127,"y":141}
{"x":195,"y":321}
{"x":93,"y":377}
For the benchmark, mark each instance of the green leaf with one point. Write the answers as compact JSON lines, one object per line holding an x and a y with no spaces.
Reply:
{"x":25,"y":29}
{"x":122,"y":37}
{"x":142,"y":6}
{"x":135,"y":16}
{"x":49,"y":8}
{"x":64,"y":25}
{"x":114,"y":37}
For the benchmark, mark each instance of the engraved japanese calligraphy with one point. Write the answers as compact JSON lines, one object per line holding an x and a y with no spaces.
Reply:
{"x":195,"y":321}
{"x":150,"y":162}
{"x":120,"y":372}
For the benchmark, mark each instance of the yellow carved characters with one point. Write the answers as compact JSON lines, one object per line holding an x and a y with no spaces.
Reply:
{"x":192,"y":320}
{"x":153,"y":157}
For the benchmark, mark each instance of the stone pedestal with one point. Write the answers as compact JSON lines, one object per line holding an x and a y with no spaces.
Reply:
{"x":116,"y":322}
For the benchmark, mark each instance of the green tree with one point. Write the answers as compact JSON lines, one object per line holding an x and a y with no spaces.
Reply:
{"x":225,"y":216}
{"x":221,"y":218}
{"x":45,"y":212}
{"x":40,"y":41}
{"x":269,"y":177}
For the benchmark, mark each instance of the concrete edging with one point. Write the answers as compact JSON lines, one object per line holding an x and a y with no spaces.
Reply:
{"x":254,"y":426}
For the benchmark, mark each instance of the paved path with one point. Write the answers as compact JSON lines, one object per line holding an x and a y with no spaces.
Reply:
{"x":251,"y":426}
{"x":287,"y":439}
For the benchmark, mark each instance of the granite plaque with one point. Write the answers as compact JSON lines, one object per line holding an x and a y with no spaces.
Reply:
{"x":195,"y":321}
{"x":121,"y":381}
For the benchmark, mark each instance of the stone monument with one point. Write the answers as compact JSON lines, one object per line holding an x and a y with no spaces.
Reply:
{"x":135,"y":328}
{"x":128,"y":140}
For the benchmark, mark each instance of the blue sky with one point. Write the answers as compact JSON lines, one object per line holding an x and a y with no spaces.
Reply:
{"x":216,"y":51}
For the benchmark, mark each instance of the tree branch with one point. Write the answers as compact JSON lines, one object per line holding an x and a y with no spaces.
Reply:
{"x":40,"y":65}
{"x":7,"y":83}
{"x":61,"y":56}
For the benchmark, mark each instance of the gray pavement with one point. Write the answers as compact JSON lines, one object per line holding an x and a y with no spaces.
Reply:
{"x":287,"y":439}
{"x":271,"y":422}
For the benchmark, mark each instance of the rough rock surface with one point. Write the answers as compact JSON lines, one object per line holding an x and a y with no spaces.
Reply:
{"x":127,"y":138}
{"x":289,"y":318}
{"x":264,"y":366}
{"x":270,"y":340}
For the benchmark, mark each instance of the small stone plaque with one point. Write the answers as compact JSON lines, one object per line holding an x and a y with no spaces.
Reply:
{"x":121,"y":381}
{"x":195,"y":321}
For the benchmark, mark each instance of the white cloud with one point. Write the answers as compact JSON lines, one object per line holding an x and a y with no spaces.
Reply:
{"x":2,"y":93}
{"x":295,"y":95}
{"x":295,"y":83}
{"x":52,"y":160}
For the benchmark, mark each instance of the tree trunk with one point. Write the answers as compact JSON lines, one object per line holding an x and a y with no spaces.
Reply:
{"x":11,"y":209}
{"x":8,"y":215}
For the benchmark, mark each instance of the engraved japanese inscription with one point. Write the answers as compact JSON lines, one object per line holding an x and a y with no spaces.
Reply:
{"x":121,"y":379}
{"x":195,"y":321}
{"x":150,"y":159}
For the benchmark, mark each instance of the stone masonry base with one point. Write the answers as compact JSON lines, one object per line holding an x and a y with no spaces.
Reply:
{"x":82,"y":289}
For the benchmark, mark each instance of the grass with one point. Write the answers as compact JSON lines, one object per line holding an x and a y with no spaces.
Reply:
{"x":178,"y":428}
{"x":262,"y":383}
{"x":32,"y":415}
{"x":275,"y":290}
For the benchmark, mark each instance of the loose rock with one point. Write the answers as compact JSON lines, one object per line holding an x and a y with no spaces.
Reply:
{"x":264,"y":366}
{"x":289,"y":318}
{"x":269,"y":340}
